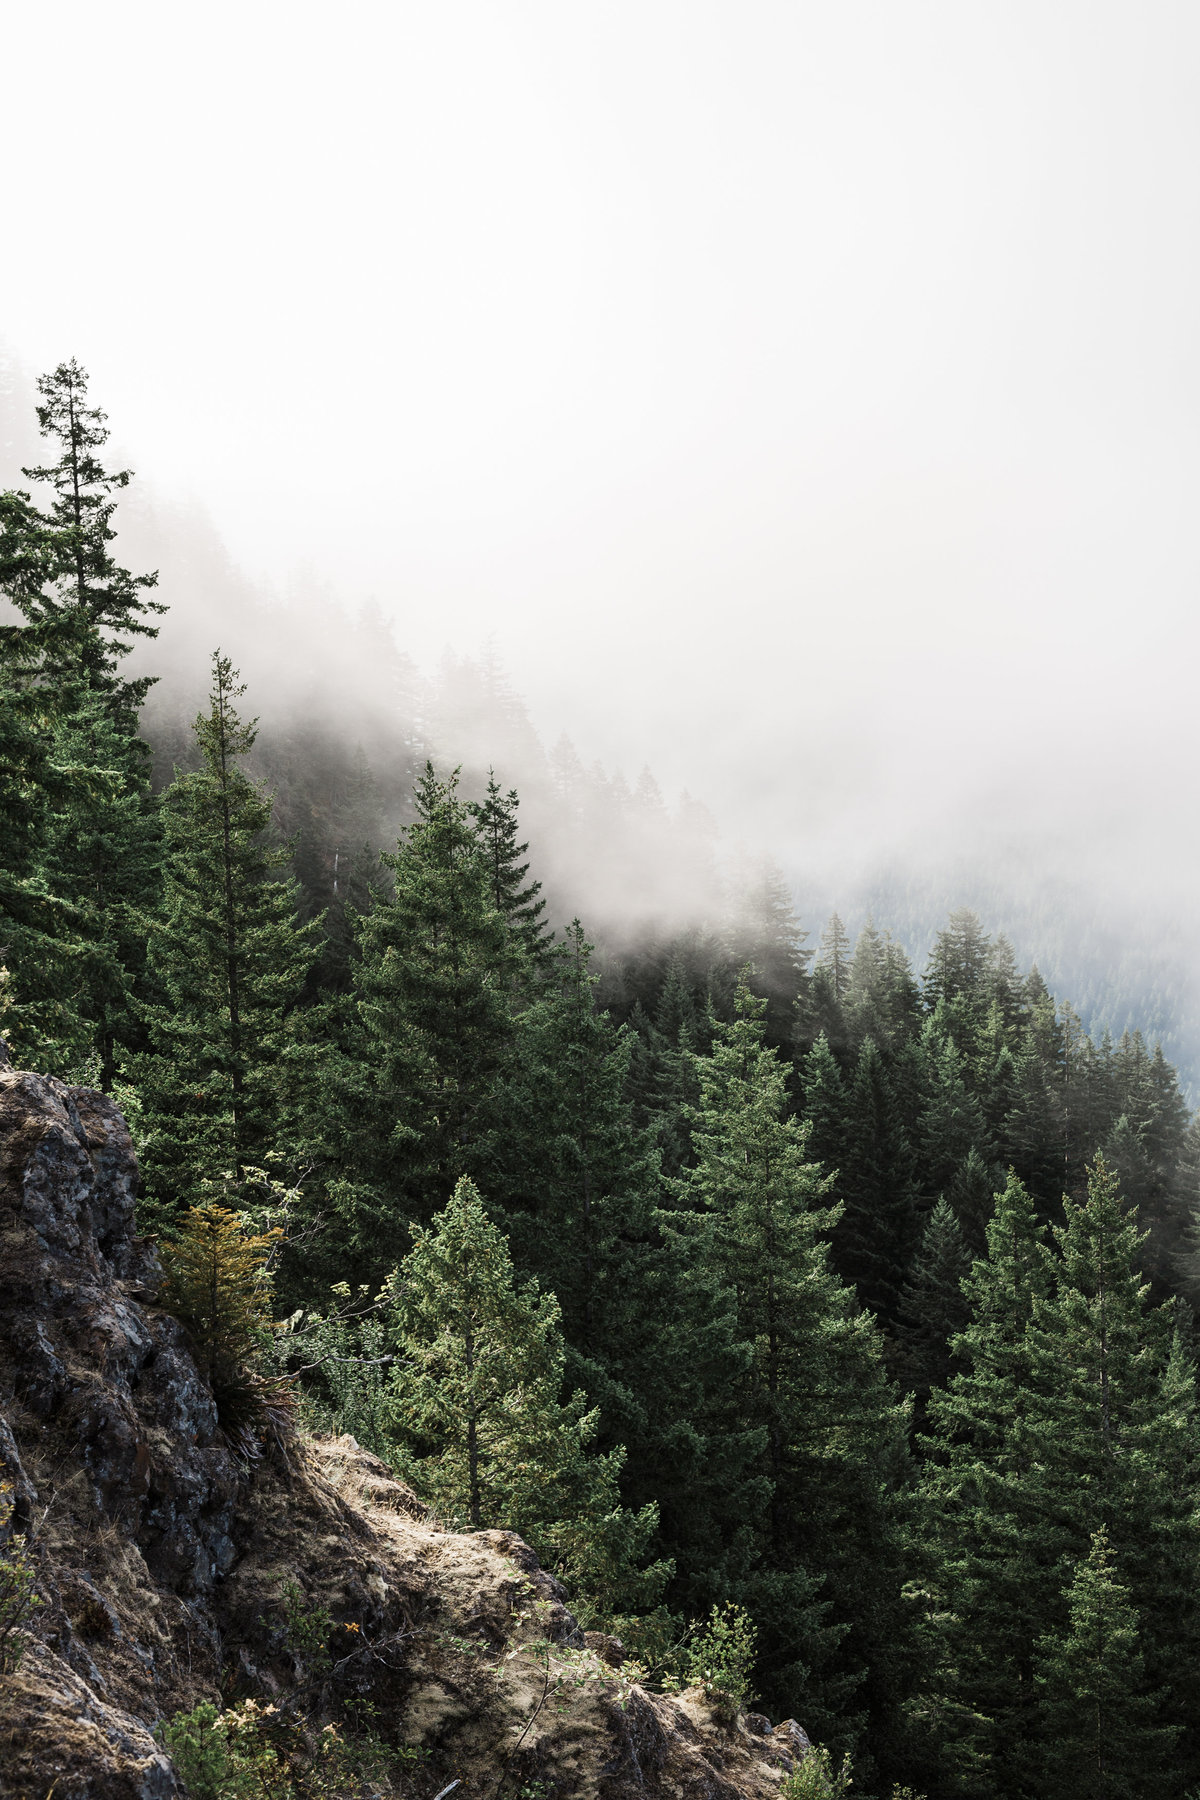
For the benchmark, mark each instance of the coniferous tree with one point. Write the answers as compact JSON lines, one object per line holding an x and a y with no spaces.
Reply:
{"x":1099,"y":1726}
{"x":434,"y":992}
{"x":828,"y":1428}
{"x":822,"y":1009}
{"x":477,"y":1400}
{"x":75,"y":581}
{"x":985,"y":1612}
{"x":1113,"y":1435}
{"x":932,"y":1307}
{"x":878,"y":1231}
{"x":960,"y":962}
{"x":767,"y":936}
{"x":825,"y":1105}
{"x":103,"y":854}
{"x":577,"y":1180}
{"x":43,"y":956}
{"x":1075,"y":1411}
{"x":217,"y":1087}
{"x":96,"y":857}
{"x":950,"y":1123}
{"x":512,"y":897}
{"x":882,"y":1000}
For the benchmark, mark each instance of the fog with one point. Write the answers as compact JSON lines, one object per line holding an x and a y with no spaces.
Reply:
{"x":800,"y":399}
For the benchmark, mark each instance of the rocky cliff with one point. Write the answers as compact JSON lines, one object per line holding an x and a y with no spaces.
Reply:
{"x":168,"y":1568}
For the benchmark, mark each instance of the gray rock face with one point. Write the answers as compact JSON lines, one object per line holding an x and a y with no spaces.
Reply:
{"x":110,"y":1444}
{"x":87,"y":1356}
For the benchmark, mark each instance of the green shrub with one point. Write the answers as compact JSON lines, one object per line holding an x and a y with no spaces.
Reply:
{"x":255,"y":1752}
{"x":219,"y":1285}
{"x":722,"y":1657}
{"x":816,"y":1779}
{"x":18,"y":1592}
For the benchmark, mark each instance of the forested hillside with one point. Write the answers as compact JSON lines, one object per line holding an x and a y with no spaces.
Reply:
{"x":815,"y":1315}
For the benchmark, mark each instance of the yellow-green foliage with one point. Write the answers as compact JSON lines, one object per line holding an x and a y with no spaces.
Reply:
{"x":219,"y":1284}
{"x":723,"y":1656}
{"x":816,"y":1779}
{"x":256,"y":1752}
{"x":18,"y":1591}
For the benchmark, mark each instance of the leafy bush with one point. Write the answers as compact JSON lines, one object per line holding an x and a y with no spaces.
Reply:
{"x":350,"y":1349}
{"x":816,"y":1779}
{"x":255,"y":1752}
{"x":722,"y":1657}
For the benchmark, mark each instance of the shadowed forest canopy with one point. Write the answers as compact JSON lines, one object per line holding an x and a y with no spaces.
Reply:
{"x":737,"y":1264}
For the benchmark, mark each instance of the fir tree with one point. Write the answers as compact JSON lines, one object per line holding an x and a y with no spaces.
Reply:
{"x":103,"y":854}
{"x":434,"y":990}
{"x":1113,"y":1435}
{"x":511,"y":896}
{"x":577,"y":1181}
{"x":1101,"y":1737}
{"x":932,"y":1306}
{"x":882,"y":1000}
{"x":985,"y":1607}
{"x":828,"y":1425}
{"x":833,"y":955}
{"x":217,"y":1086}
{"x":767,"y":936}
{"x":877,"y":1233}
{"x":75,"y":581}
{"x":960,"y":962}
{"x":477,"y":1403}
{"x":951,"y":1123}
{"x":1075,"y":1412}
{"x":43,"y":955}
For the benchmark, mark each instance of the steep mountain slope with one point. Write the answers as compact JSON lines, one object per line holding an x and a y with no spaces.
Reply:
{"x":171,"y":1572}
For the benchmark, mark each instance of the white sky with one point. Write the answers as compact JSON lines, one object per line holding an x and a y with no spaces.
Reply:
{"x":803,"y":395}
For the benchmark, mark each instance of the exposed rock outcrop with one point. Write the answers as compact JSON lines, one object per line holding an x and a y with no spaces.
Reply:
{"x":163,"y":1561}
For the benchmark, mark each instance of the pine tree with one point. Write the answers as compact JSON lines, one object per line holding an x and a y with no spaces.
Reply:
{"x":495,"y":820}
{"x":971,"y":1193}
{"x":951,"y":1122}
{"x":932,"y":1306}
{"x":833,"y":954}
{"x":435,"y":997}
{"x":1102,"y":1741}
{"x":76,"y":944}
{"x":825,"y":1105}
{"x":822,"y":1009}
{"x":218,"y":1084}
{"x":576,"y":1180}
{"x":882,"y":1000}
{"x":985,"y":1607}
{"x":828,"y":1426}
{"x":76,"y":582}
{"x":960,"y":963}
{"x":878,"y":1231}
{"x":1075,"y":1411}
{"x":43,"y":956}
{"x":766,"y":935}
{"x":103,"y":854}
{"x":1114,"y":1435}
{"x":477,"y":1403}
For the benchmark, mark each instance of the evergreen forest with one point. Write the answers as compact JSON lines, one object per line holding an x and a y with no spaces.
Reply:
{"x":771,"y":1288}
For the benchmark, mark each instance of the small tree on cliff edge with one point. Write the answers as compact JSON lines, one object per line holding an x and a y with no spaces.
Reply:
{"x":477,"y":1401}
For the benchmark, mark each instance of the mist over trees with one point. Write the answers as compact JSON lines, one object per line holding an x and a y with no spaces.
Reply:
{"x":734,"y":1268}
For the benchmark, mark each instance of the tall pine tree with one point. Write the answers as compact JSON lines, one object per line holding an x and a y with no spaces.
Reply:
{"x":220,"y":1086}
